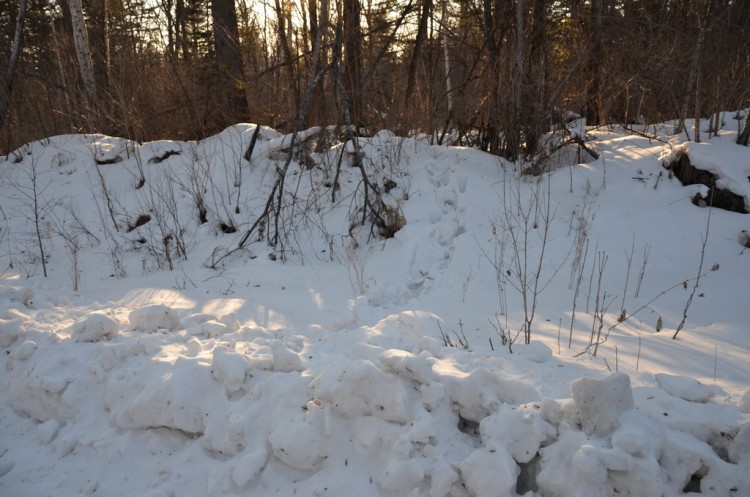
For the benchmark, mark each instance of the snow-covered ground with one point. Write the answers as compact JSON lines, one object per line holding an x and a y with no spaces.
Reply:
{"x":340,"y":363}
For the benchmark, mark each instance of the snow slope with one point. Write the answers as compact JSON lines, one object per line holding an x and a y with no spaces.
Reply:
{"x":368,"y":366}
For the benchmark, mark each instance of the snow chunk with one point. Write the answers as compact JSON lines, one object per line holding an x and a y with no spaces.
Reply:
{"x":154,"y":317}
{"x":296,"y":440}
{"x":24,"y":351}
{"x":361,"y":389}
{"x":739,"y":449}
{"x":22,"y":294}
{"x":228,"y":368}
{"x":599,"y":403}
{"x":46,"y":431}
{"x":160,"y":394}
{"x":247,"y":466}
{"x":683,"y":387}
{"x":10,"y":330}
{"x":94,"y":327}
{"x":521,"y":431}
{"x":578,"y":466}
{"x":210,"y":329}
{"x":482,"y":392}
{"x":402,"y":475}
{"x":536,"y":352}
{"x":284,"y":359}
{"x":410,"y":366}
{"x":490,"y":473}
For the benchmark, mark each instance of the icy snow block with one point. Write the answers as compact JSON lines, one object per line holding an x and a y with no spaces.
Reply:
{"x":683,"y":387}
{"x":154,"y":317}
{"x":94,"y":327}
{"x":360,"y":388}
{"x":228,"y":368}
{"x":599,"y":403}
{"x":519,"y":430}
{"x":297,"y":441}
{"x":489,"y":473}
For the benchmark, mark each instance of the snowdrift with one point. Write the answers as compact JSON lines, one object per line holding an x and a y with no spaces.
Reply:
{"x":366,"y":365}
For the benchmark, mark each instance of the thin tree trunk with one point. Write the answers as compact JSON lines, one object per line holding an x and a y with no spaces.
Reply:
{"x":536,"y":102}
{"x":318,"y":29}
{"x":692,"y":78}
{"x":515,"y":131}
{"x":743,"y":138}
{"x":594,"y":98}
{"x":421,"y":35}
{"x":15,"y":54}
{"x":286,"y":49}
{"x":447,"y":61}
{"x":83,"y":53}
{"x":352,"y":60}
{"x":107,"y":48}
{"x":492,"y":45}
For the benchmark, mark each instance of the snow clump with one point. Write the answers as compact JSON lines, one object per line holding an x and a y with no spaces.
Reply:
{"x":94,"y":326}
{"x":154,"y":317}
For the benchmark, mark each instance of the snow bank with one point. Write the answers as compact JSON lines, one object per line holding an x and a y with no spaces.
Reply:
{"x":413,"y":422}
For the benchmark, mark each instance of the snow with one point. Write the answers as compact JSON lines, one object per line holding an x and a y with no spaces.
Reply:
{"x":339,"y":363}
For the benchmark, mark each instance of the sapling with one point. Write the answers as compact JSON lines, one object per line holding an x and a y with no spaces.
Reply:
{"x":35,"y":205}
{"x":697,"y":280}
{"x":522,"y":218}
{"x":646,"y":252}
{"x":579,"y":279}
{"x":629,"y":263}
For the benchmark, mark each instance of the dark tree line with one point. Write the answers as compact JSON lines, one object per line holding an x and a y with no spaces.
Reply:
{"x":497,"y":74}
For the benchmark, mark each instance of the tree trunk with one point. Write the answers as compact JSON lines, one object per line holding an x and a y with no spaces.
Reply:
{"x":492,"y":45}
{"x":514,"y":133}
{"x":286,"y":48}
{"x":536,"y":102}
{"x":228,"y":59}
{"x":83,"y":53}
{"x":15,"y":53}
{"x":421,"y":34}
{"x":594,"y":110}
{"x":318,"y":30}
{"x":352,"y":77}
{"x":447,"y":61}
{"x":693,"y":73}
{"x":744,"y":137}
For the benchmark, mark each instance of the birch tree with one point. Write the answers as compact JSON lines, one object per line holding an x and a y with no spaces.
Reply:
{"x":83,"y":54}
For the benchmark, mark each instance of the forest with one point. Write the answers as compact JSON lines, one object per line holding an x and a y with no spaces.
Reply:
{"x":493,"y":74}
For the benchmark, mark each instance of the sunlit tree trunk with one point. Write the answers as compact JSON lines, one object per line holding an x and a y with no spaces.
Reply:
{"x":83,"y":53}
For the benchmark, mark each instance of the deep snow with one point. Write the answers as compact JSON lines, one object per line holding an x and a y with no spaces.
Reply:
{"x":363,"y":366}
